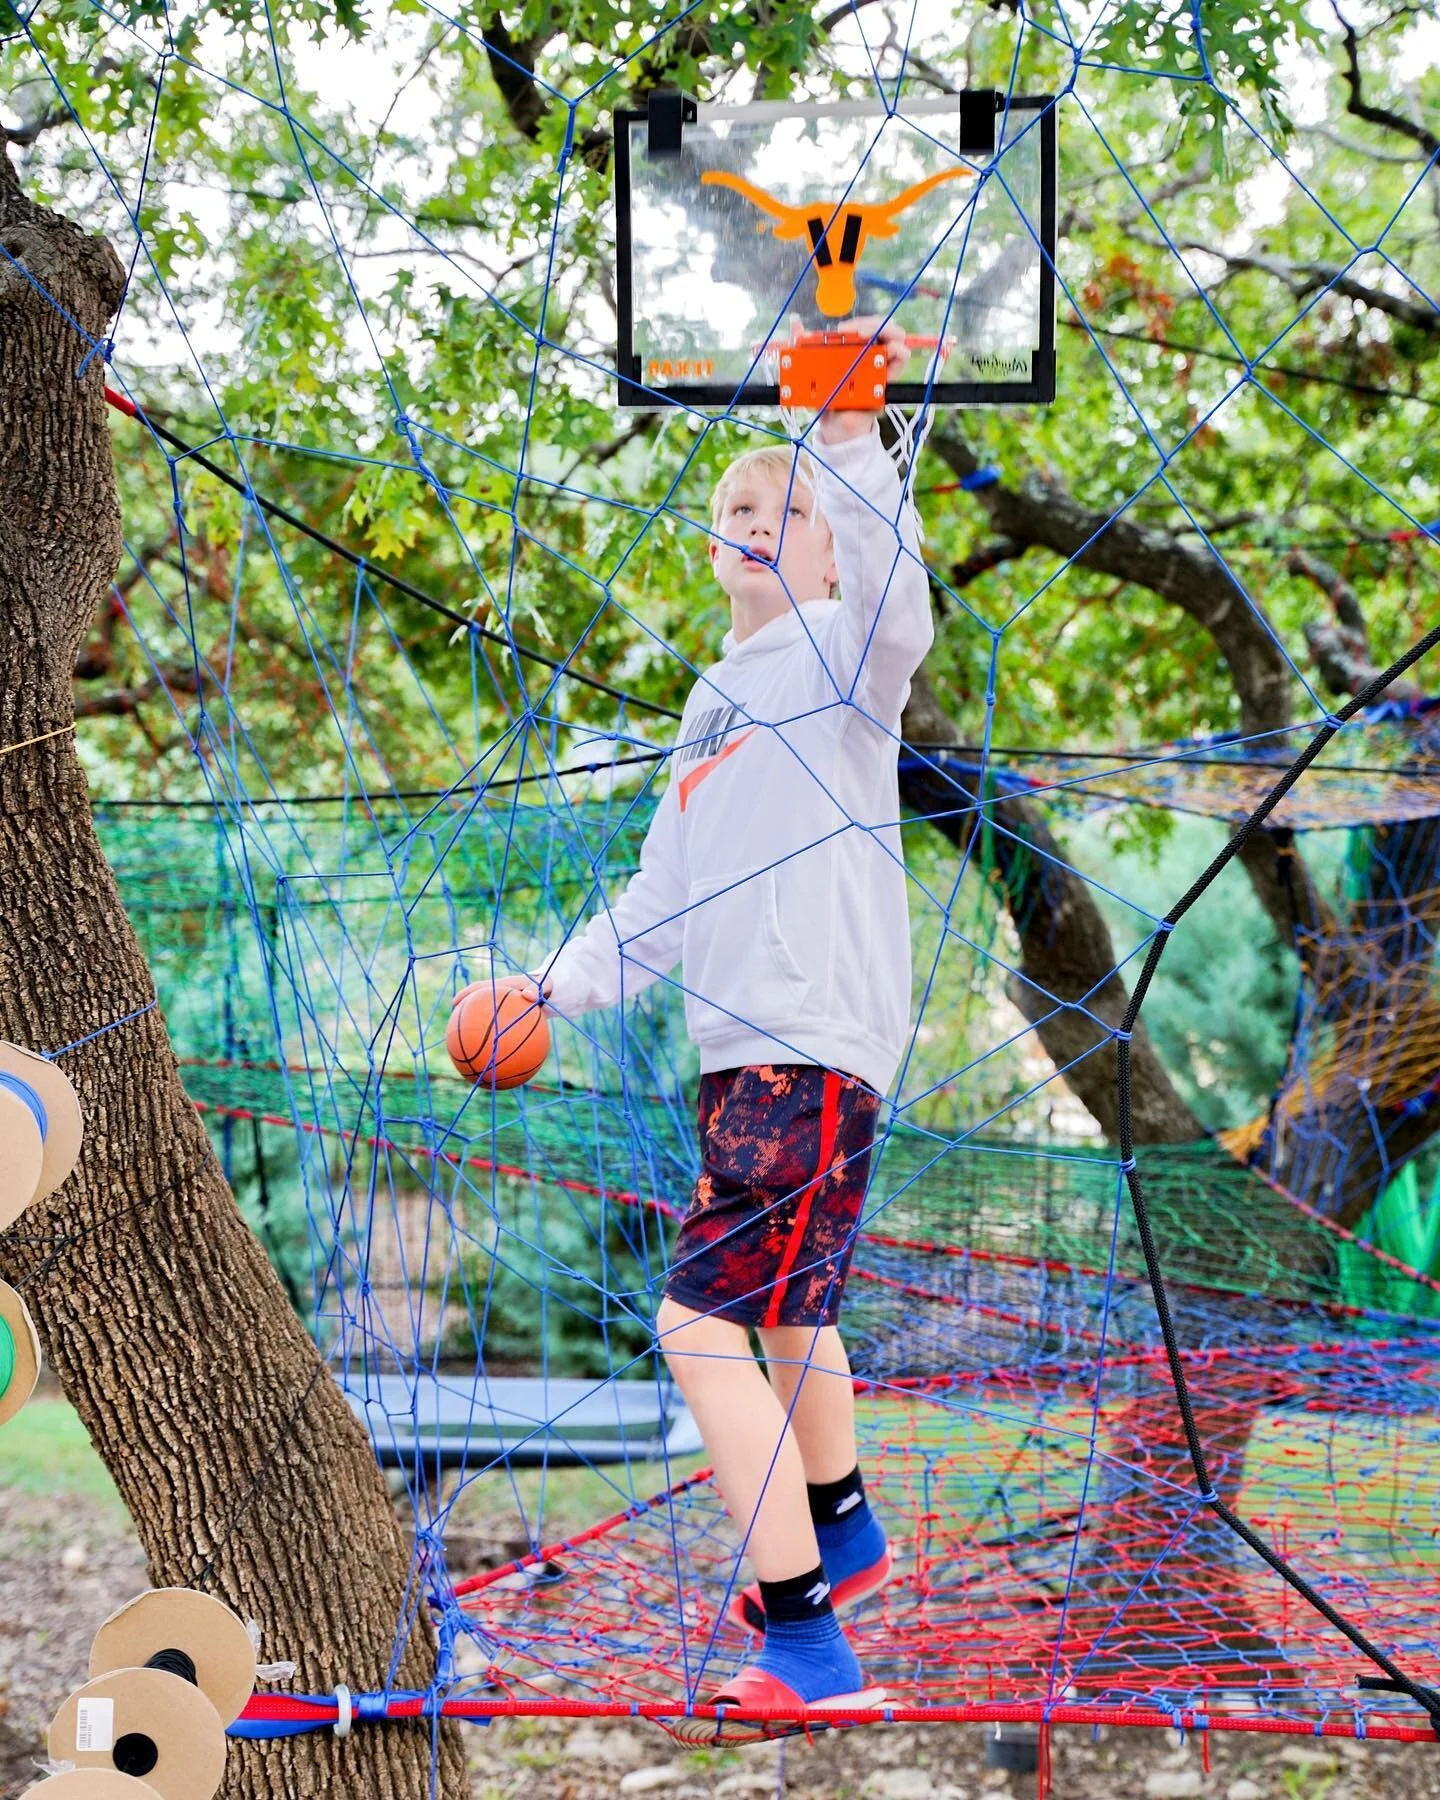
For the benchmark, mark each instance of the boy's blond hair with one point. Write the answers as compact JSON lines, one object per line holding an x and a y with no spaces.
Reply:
{"x":782,"y":464}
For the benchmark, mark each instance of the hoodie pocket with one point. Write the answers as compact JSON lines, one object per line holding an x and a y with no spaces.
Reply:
{"x":738,"y":968}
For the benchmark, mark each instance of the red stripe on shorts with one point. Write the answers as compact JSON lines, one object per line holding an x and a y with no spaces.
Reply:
{"x":829,"y":1125}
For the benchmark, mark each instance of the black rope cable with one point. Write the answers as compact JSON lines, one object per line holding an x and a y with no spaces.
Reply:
{"x":994,"y":752}
{"x":467,"y":789}
{"x":174,"y":1662}
{"x":1398,"y":1681}
{"x":274,"y":510}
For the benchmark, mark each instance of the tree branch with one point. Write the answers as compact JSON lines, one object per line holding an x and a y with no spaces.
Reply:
{"x":118,"y":703}
{"x":1040,"y":513}
{"x":1420,"y":315}
{"x":25,"y":133}
{"x":1405,"y":158}
{"x":981,"y":562}
{"x":124,"y":702}
{"x":97,"y":653}
{"x":1067,"y":979}
{"x":597,"y":455}
{"x":839,"y":15}
{"x":1360,"y":108}
{"x":1342,"y":650}
{"x":512,"y":69}
{"x":1306,"y":278}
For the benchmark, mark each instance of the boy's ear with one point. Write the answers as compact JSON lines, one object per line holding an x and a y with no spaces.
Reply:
{"x":714,"y":552}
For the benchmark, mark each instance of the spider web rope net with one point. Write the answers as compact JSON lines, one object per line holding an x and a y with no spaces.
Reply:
{"x":482,"y":784}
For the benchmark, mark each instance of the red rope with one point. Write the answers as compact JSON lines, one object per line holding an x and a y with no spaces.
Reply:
{"x":289,"y":1709}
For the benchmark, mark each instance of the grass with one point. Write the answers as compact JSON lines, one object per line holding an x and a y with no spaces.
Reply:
{"x":564,"y":1499}
{"x":46,"y":1452}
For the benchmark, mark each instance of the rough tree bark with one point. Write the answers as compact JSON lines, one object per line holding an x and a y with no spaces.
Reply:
{"x":236,"y":1455}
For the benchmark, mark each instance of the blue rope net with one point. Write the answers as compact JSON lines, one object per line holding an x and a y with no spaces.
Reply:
{"x":1087,"y":1372}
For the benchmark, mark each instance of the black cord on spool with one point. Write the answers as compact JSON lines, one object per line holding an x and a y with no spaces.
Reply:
{"x":174,"y":1662}
{"x":135,"y":1754}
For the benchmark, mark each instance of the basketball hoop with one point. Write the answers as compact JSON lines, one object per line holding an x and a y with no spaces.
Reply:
{"x":845,"y":371}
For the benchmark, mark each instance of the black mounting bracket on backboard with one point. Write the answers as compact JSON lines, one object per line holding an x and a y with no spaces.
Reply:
{"x":667,"y":113}
{"x":978,"y":108}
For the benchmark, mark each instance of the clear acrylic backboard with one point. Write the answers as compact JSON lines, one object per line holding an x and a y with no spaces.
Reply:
{"x":744,"y":222}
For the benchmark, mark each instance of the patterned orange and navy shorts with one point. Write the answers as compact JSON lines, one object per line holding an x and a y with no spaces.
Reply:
{"x":785,"y":1152}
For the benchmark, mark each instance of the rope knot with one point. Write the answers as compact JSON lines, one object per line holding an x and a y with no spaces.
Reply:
{"x":104,"y":348}
{"x":405,"y":426}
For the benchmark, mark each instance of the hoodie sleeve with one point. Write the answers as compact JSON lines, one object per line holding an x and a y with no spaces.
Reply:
{"x":634,"y":939}
{"x":884,"y":628}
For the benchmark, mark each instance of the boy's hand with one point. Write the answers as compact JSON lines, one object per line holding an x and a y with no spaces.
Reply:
{"x":835,"y":427}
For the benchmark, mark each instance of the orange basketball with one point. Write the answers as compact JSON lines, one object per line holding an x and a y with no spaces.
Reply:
{"x":497,"y":1032}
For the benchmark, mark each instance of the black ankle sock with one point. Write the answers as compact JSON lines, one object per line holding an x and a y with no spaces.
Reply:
{"x":832,"y":1501}
{"x":796,"y":1599}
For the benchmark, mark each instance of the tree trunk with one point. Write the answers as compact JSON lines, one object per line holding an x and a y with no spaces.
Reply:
{"x":1362,"y":1092}
{"x":237,"y":1456}
{"x":1067,"y":979}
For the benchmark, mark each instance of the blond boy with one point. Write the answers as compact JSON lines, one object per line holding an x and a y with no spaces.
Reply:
{"x":773,"y":874}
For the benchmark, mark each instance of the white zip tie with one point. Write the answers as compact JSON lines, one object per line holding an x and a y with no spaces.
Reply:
{"x":271,"y":1671}
{"x":346,"y":1714}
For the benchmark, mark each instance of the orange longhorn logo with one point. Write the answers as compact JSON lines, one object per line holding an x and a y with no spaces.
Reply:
{"x":837,"y":233}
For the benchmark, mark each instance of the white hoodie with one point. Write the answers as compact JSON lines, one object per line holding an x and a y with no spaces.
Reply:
{"x":773,"y":870}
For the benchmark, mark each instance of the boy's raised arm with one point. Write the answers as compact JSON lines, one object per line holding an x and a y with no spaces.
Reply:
{"x":637,"y":938}
{"x":885,"y":626}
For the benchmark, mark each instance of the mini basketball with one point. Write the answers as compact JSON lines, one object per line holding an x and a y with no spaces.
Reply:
{"x":497,"y":1032}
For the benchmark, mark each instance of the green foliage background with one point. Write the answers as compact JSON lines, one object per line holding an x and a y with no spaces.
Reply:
{"x":353,"y":228}
{"x":264,"y":157}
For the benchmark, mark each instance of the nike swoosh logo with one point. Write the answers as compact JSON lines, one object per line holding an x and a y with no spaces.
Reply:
{"x":710,"y":765}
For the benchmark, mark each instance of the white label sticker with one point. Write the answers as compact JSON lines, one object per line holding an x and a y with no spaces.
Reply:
{"x":95,"y":1725}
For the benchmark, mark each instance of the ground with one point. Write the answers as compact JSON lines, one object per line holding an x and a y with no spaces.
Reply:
{"x":68,"y":1556}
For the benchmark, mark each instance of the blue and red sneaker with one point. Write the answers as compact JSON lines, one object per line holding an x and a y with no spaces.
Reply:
{"x":806,"y":1678}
